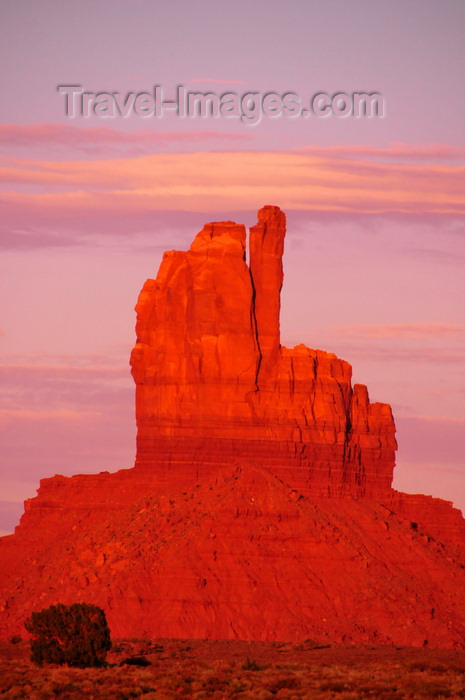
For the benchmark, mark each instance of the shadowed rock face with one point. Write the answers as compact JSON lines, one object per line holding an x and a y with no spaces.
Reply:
{"x":213,"y":379}
{"x":260,"y":505}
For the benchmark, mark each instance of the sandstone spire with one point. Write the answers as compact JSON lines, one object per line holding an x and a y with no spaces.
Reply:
{"x":210,"y":371}
{"x":266,"y":268}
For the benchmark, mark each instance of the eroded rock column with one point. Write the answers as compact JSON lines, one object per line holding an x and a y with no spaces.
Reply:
{"x":266,"y":268}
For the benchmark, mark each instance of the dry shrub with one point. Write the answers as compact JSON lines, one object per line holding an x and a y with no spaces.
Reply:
{"x":76,"y":635}
{"x":136,"y":661}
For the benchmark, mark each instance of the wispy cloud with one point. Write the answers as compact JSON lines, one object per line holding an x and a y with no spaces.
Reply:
{"x":432,"y":439}
{"x":408,"y":343}
{"x":67,"y":392}
{"x":441,"y":420}
{"x":59,"y":371}
{"x":44,"y":415}
{"x":240,"y":179}
{"x":50,"y":202}
{"x":394,"y":151}
{"x":105,"y":140}
{"x":218,"y":81}
{"x":399,"y":330}
{"x":408,"y":355}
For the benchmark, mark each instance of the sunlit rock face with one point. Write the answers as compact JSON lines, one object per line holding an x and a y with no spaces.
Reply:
{"x":212,"y":378}
{"x":260,"y":505}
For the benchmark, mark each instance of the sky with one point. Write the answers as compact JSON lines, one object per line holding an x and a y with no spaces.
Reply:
{"x":375,"y":251}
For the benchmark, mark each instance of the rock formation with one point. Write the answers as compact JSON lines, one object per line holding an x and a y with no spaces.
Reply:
{"x":260,"y":505}
{"x":213,"y":383}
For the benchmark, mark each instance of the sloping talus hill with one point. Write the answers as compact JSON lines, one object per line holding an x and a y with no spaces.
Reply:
{"x":260,"y":505}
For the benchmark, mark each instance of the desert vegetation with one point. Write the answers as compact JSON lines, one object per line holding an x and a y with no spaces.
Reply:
{"x":75,"y":635}
{"x":173,"y":669}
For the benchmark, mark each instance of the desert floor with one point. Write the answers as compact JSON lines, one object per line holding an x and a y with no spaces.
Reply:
{"x":237,"y":669}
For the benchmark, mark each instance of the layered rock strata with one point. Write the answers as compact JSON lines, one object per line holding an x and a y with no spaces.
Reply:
{"x":238,"y":553}
{"x":214,"y":384}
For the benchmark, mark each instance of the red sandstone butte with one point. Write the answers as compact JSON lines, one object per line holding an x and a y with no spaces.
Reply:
{"x":214,"y":385}
{"x":260,"y":505}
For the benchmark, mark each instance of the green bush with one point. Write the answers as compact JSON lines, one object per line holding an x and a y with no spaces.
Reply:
{"x":76,"y":635}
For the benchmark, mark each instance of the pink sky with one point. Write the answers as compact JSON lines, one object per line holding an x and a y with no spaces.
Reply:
{"x":375,"y":251}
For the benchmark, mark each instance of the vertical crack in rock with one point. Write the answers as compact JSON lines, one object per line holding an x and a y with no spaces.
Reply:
{"x":209,"y":368}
